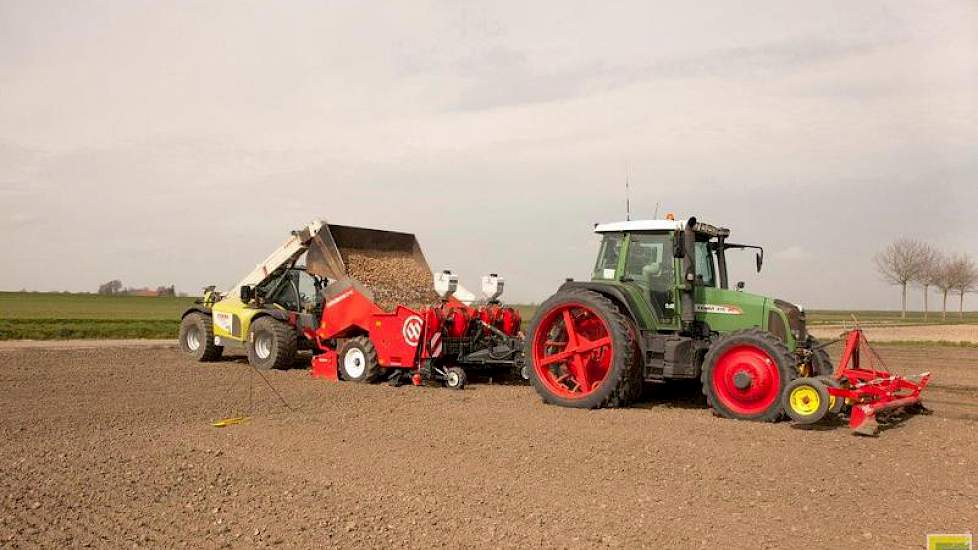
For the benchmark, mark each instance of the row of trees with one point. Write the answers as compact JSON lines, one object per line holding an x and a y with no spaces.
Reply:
{"x":115,"y":288}
{"x":907,"y":262}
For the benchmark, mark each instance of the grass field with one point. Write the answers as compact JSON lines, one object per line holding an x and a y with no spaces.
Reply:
{"x":48,"y":316}
{"x":56,"y":316}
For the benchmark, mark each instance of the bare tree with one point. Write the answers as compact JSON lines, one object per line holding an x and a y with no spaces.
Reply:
{"x":965,"y":279}
{"x":930,"y":263}
{"x":900,"y":263}
{"x":110,"y":288}
{"x":948,"y":277}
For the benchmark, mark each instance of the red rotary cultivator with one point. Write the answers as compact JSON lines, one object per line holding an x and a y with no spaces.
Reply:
{"x":860,"y":386}
{"x":433,"y":339}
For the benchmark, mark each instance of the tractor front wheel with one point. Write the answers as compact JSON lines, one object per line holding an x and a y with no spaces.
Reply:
{"x":197,"y":338}
{"x":271,"y":344}
{"x":582,"y":352}
{"x":745,"y":373}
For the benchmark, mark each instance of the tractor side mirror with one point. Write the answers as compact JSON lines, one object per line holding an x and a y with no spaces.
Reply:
{"x":759,"y":258}
{"x":740,"y":286}
{"x":247,"y":293}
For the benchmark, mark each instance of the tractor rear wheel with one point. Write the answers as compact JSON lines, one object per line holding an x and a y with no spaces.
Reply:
{"x":197,"y":338}
{"x":358,"y":360}
{"x":745,"y":373}
{"x":271,"y":344}
{"x":582,"y":352}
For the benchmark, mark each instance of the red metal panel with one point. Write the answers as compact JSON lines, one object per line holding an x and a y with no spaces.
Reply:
{"x":348,"y":311}
{"x":324,"y":365}
{"x":397,"y":336}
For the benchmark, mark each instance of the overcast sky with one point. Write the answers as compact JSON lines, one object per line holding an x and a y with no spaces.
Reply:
{"x":179,"y":142}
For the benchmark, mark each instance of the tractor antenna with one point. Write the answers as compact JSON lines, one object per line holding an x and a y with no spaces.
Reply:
{"x":628,"y":202}
{"x":656,"y":216}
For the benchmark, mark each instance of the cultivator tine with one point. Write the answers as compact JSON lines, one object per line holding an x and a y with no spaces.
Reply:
{"x":863,"y":380}
{"x":862,"y":421}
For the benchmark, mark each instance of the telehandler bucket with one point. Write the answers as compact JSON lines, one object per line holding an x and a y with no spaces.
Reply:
{"x":328,"y":249}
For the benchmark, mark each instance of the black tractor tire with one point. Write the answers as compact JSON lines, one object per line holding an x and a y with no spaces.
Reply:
{"x":197,"y":338}
{"x":814,"y":385}
{"x":836,"y":404}
{"x":624,"y":381}
{"x":362,"y":356}
{"x":455,"y":378}
{"x":271,"y":344}
{"x":821,"y":362}
{"x":770,"y":344}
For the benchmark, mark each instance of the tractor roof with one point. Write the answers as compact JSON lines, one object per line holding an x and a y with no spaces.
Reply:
{"x":658,"y":225}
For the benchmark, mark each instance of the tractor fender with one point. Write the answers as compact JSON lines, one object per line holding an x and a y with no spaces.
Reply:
{"x":613,"y":293}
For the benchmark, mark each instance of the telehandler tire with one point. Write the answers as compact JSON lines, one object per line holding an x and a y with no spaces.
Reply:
{"x":745,"y":373}
{"x":595,"y":364}
{"x":271,"y":344}
{"x":358,"y":360}
{"x":197,"y":338}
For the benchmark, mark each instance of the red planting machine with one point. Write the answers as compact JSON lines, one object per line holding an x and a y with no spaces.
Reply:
{"x":861,"y":386}
{"x":360,"y":341}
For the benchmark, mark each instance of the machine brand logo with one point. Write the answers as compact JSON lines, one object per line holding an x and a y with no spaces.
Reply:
{"x":223,"y":320}
{"x":949,"y":542}
{"x":339,"y":298}
{"x":720,"y":309}
{"x":412,"y":330}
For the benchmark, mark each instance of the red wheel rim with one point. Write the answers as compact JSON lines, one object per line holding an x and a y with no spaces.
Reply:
{"x":747,"y":380}
{"x":572,"y":351}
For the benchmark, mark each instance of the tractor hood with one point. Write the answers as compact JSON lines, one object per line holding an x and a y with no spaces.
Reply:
{"x":796,"y":319}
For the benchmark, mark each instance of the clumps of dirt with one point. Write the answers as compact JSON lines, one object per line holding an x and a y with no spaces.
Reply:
{"x":393,"y":277}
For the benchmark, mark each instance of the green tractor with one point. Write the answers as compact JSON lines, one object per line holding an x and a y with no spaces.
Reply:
{"x":658,"y":307}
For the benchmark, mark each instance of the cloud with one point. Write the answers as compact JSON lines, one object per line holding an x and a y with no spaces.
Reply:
{"x":793,"y":253}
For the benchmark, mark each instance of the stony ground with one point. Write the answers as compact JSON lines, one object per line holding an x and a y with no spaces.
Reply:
{"x":113,"y":447}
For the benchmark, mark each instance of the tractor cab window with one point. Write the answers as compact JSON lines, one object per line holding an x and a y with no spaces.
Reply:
{"x":650,"y":264}
{"x":607,"y":266}
{"x":705,"y":269}
{"x":308,"y":289}
{"x":284,"y":291}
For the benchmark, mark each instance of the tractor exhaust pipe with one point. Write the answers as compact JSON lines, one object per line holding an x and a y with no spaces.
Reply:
{"x":687,"y":298}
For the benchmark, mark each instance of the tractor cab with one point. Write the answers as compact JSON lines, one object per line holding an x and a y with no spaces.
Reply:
{"x":670,"y":266}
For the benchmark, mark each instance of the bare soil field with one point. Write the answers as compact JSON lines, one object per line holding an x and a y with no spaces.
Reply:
{"x":918,"y":333}
{"x":113,"y":447}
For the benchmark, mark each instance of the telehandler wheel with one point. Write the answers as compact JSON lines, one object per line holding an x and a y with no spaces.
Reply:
{"x":271,"y":344}
{"x":806,"y":400}
{"x":455,"y":378}
{"x":358,"y":360}
{"x":197,"y":338}
{"x":745,"y":373}
{"x":821,"y":362}
{"x":583,"y":352}
{"x":836,"y":404}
